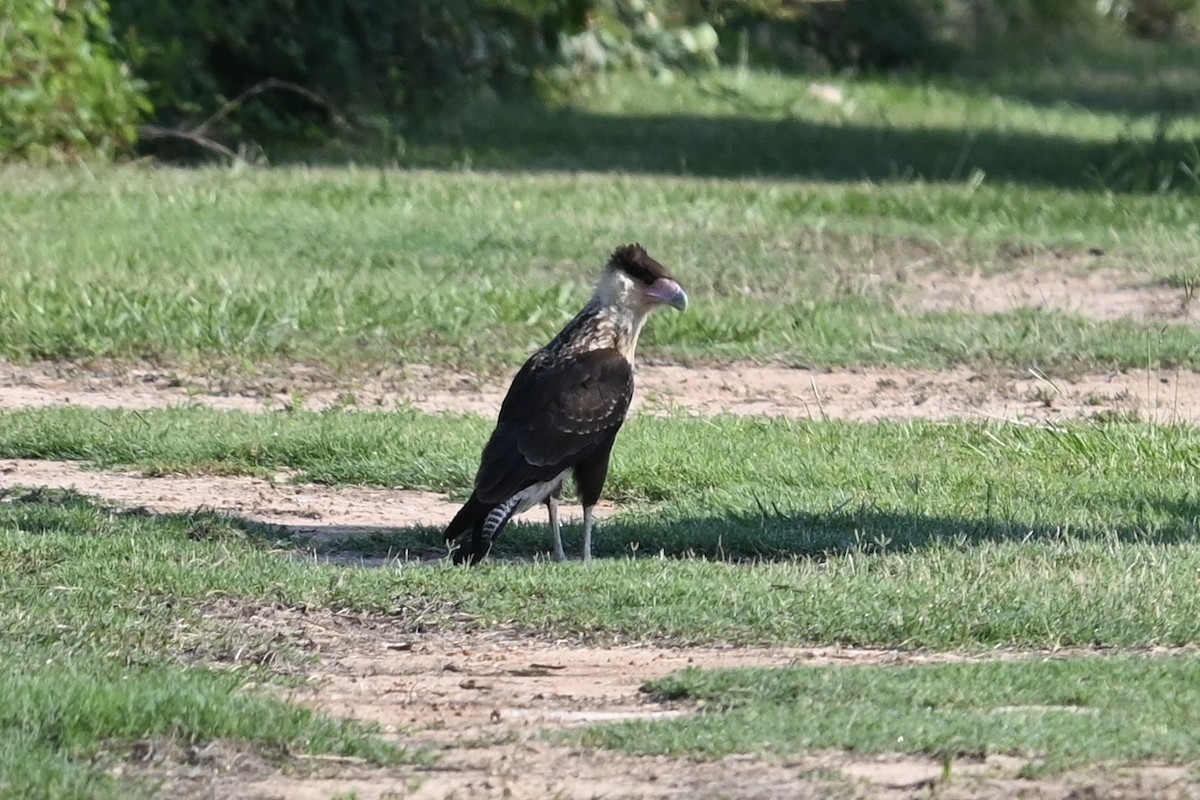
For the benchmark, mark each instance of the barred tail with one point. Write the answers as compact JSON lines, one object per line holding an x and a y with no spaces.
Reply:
{"x":485,"y":523}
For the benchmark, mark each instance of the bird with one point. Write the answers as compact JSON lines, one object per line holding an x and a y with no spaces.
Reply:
{"x":564,"y":408}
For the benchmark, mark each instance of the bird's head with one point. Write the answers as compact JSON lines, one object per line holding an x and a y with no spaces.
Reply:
{"x":634,"y":280}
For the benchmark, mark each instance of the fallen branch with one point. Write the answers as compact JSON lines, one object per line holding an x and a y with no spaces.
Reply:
{"x":263,"y":86}
{"x":199,"y":134}
{"x":158,"y":132}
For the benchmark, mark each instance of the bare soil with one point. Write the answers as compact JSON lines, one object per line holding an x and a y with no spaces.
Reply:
{"x":1099,"y":294}
{"x":489,"y":706}
{"x":299,"y":510}
{"x":773,"y":391}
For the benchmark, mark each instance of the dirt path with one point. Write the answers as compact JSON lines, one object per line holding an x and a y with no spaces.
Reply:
{"x":306,"y":514}
{"x":302,"y":510}
{"x":1076,"y":282}
{"x":485,"y":703}
{"x":859,"y":395}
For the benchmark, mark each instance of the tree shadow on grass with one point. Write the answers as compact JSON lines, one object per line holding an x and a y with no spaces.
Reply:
{"x":531,"y":138}
{"x":1112,"y":75}
{"x":753,"y":141}
{"x":1098,"y":67}
{"x":732,"y":538}
{"x":740,"y":538}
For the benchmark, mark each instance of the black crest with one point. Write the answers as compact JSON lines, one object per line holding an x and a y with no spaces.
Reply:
{"x":634,"y":261}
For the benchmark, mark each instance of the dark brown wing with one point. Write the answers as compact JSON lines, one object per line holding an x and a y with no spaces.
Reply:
{"x":560,"y":408}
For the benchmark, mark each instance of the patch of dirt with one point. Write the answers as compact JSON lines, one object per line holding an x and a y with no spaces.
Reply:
{"x":307,"y":514}
{"x":1099,"y":294}
{"x":484,"y":703}
{"x":304,"y":510}
{"x":867,"y":395}
{"x":845,"y":394}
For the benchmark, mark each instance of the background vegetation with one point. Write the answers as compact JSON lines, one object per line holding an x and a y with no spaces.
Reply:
{"x":77,"y":78}
{"x":64,"y":90}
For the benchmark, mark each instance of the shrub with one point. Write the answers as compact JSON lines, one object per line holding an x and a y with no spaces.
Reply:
{"x":1154,"y":19}
{"x":882,"y":35}
{"x":404,"y":58}
{"x":640,"y":35}
{"x":63,"y":91}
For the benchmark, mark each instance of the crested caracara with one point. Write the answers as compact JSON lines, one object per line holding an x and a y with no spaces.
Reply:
{"x":564,"y":408}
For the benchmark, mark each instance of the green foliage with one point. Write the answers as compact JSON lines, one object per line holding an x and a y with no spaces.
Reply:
{"x":633,"y":34}
{"x":64,"y":92}
{"x":885,"y":35}
{"x":1023,"y":17}
{"x":880,"y":34}
{"x":405,"y":59}
{"x":402,"y":57}
{"x":1154,"y":19}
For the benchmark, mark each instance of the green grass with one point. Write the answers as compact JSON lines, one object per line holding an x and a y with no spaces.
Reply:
{"x":932,"y":535}
{"x":107,"y":618}
{"x":368,"y":269}
{"x":916,"y":535}
{"x":57,"y":719}
{"x":732,"y":124}
{"x":739,"y":487}
{"x":93,"y":659}
{"x":1056,"y":713}
{"x":797,"y":229}
{"x":105,"y":612}
{"x":104,"y":584}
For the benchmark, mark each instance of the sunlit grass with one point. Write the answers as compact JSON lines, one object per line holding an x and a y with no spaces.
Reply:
{"x":92,"y":606}
{"x":755,"y":487}
{"x":798,"y":227}
{"x":1047,"y":592}
{"x":735,"y":531}
{"x":362,"y":269}
{"x":1053,"y":713}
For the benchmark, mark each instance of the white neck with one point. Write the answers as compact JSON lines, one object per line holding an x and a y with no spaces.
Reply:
{"x":620,"y":303}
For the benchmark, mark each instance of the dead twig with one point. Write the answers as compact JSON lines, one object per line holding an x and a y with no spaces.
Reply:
{"x":159,"y":132}
{"x":267,"y":85}
{"x":199,"y":134}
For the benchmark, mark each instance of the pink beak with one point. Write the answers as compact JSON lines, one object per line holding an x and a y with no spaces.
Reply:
{"x":668,"y":293}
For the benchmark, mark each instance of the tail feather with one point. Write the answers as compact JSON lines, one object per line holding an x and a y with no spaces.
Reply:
{"x":472,"y":511}
{"x":485,"y":521}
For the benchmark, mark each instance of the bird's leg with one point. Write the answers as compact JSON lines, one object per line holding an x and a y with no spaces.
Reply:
{"x":587,"y":533}
{"x":552,"y":507}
